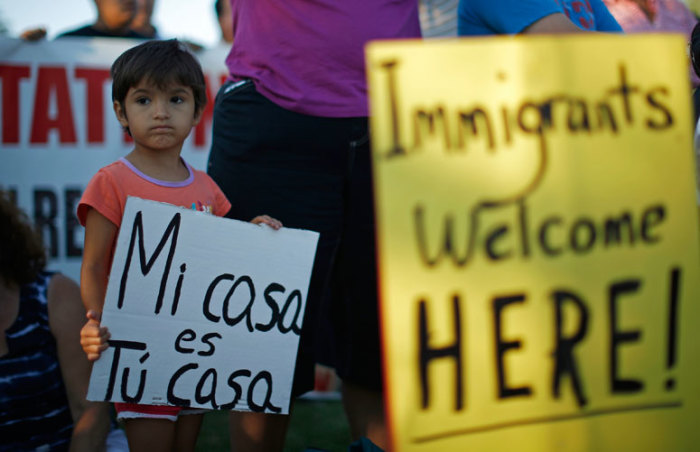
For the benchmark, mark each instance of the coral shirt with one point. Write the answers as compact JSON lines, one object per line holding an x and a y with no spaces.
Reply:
{"x":108,"y":190}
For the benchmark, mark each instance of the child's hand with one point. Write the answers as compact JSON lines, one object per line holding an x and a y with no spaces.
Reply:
{"x":265,"y":219}
{"x":93,"y":337}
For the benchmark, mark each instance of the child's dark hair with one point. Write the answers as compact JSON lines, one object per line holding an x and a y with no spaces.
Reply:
{"x":22,"y":254}
{"x":160,"y":63}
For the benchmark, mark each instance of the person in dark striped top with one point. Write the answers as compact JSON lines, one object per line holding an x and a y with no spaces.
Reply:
{"x":43,"y":371}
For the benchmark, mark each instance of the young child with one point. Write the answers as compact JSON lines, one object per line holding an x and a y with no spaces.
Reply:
{"x":159,"y":95}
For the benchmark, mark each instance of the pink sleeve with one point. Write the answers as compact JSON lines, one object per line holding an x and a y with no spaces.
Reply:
{"x":103,"y":195}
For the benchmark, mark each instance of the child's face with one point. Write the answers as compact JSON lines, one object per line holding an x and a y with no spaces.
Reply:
{"x":158,"y":119}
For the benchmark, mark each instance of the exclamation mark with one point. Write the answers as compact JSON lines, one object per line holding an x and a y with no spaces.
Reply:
{"x":672,"y":325}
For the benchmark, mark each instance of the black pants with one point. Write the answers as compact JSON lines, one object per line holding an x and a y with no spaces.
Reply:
{"x":310,"y":173}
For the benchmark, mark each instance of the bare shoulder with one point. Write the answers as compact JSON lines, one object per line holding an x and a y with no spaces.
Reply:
{"x":62,"y":287}
{"x":64,"y":303}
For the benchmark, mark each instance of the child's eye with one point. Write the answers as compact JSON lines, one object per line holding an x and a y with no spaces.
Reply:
{"x":143,"y":100}
{"x":177,"y":100}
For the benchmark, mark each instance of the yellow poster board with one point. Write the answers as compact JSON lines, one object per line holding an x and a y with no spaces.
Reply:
{"x":537,"y":242}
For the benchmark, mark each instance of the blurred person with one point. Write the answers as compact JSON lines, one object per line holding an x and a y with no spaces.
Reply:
{"x":225,"y":18}
{"x":44,"y":371}
{"x":114,"y":18}
{"x":142,"y":22}
{"x":290,"y":138}
{"x":485,"y":17}
{"x":648,"y":16}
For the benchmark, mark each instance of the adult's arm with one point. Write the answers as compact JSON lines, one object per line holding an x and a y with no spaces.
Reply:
{"x":66,"y":316}
{"x":553,"y":24}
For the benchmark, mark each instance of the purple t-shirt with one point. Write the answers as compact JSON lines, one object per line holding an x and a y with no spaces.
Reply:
{"x":308,"y":56}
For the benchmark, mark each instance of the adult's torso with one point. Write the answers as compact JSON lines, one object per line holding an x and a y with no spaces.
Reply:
{"x":308,"y":55}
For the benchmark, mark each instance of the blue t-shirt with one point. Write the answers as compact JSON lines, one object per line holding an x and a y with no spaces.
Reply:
{"x":488,"y":17}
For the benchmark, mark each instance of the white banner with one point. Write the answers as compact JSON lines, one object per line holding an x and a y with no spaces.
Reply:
{"x":58,"y":129}
{"x":203,"y":311}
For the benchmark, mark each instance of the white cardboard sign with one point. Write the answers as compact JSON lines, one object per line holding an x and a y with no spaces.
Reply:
{"x":203,"y":311}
